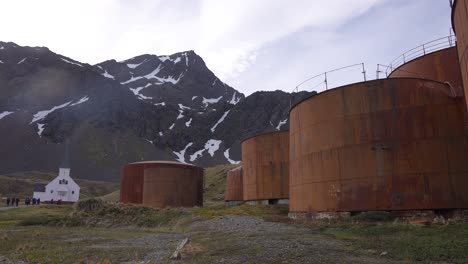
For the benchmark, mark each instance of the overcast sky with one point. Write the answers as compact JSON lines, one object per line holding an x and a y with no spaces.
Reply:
{"x":251,"y":45}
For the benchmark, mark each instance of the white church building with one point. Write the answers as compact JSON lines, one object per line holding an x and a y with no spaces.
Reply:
{"x":63,"y":188}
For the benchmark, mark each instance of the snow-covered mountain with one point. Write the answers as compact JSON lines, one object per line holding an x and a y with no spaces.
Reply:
{"x":147,"y":107}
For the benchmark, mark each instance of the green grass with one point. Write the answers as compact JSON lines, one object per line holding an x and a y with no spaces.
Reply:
{"x":215,"y":184}
{"x":32,"y":215}
{"x":407,"y":242}
{"x":69,"y":245}
{"x":252,"y":210}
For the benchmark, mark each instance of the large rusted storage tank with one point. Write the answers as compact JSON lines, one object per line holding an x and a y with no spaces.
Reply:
{"x":392,"y":144}
{"x":460,"y":26}
{"x":440,"y":66}
{"x":162,"y":184}
{"x":265,"y":167}
{"x":234,"y":187}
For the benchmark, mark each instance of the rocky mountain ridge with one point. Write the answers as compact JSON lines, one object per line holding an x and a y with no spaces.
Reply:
{"x":144,"y":108}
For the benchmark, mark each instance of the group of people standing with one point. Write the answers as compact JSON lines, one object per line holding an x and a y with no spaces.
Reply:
{"x":13,"y":201}
{"x":34,"y":201}
{"x":28,"y":201}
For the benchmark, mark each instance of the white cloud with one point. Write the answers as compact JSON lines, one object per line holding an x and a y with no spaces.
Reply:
{"x":240,"y":41}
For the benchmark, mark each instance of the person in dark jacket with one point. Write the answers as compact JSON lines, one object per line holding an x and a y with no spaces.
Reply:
{"x":8,"y":201}
{"x":17,"y":201}
{"x":34,"y":201}
{"x":38,"y":201}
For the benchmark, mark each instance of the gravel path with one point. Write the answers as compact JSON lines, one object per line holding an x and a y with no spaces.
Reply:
{"x":247,"y":239}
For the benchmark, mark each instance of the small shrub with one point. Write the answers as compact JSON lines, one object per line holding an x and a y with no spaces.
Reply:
{"x":90,"y":205}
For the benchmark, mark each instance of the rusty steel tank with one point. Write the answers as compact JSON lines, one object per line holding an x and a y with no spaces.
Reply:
{"x":265,"y":167}
{"x":460,"y":26}
{"x":162,"y":184}
{"x":441,"y":65}
{"x":391,"y":144}
{"x":234,"y":187}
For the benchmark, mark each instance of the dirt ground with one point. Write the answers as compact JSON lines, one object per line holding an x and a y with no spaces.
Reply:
{"x":223,"y":239}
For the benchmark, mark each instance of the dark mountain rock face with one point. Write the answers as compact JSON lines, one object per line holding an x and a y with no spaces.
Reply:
{"x":145,"y":108}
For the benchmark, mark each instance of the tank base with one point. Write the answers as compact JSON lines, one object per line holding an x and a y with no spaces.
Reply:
{"x":233,"y":203}
{"x":409,"y":216}
{"x":267,"y":202}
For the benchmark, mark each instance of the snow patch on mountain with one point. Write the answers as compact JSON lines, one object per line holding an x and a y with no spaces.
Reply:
{"x":181,"y":114}
{"x":226,"y":155}
{"x":220,"y":121}
{"x":214,"y":82}
{"x":281,"y":123}
{"x":211,"y":100}
{"x":2,"y":47}
{"x":183,"y":107}
{"x":21,"y":61}
{"x":161,"y":134}
{"x":164,"y":58}
{"x":211,"y":146}
{"x":181,"y":154}
{"x":132,"y":79}
{"x":5,"y":113}
{"x":133,"y":66}
{"x":187,"y":124}
{"x":107,"y":75}
{"x":169,"y":79}
{"x":172,"y":126}
{"x":162,"y":103}
{"x":1,"y":61}
{"x":136,"y":91}
{"x":194,"y":97}
{"x":186,"y":59}
{"x":82,"y":100}
{"x":40,"y":129}
{"x":42,"y":114}
{"x":177,"y":60}
{"x":234,"y":101}
{"x":71,"y":62}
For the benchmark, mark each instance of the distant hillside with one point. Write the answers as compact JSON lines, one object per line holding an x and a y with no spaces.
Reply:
{"x":21,"y":184}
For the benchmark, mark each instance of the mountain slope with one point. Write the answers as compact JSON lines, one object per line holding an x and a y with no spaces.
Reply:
{"x":147,"y":107}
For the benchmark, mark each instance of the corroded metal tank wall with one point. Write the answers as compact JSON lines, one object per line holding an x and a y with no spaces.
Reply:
{"x":460,"y":26}
{"x":161,"y":184}
{"x":265,"y":166}
{"x":440,"y":66}
{"x":173,"y":185}
{"x":131,"y":184}
{"x":392,"y":144}
{"x":234,"y":187}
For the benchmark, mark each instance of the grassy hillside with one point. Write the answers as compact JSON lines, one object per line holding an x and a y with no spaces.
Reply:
{"x":21,"y":184}
{"x":215,"y":184}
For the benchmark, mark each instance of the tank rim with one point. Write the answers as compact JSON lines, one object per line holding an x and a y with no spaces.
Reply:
{"x":351,"y":84}
{"x":262,"y":134}
{"x":424,"y":56}
{"x":162,"y":162}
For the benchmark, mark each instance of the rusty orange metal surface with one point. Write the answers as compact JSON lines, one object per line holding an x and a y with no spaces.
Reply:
{"x":173,"y":186}
{"x":460,"y":26}
{"x":392,"y":144}
{"x":234,"y":187}
{"x":442,"y":66}
{"x":135,"y":175}
{"x":265,"y":166}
